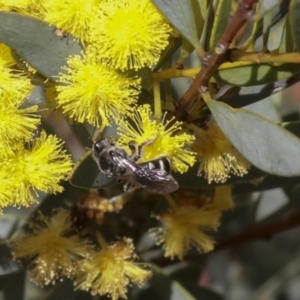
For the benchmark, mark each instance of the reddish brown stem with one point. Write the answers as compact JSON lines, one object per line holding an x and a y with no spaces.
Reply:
{"x":248,"y":235}
{"x":211,"y":62}
{"x":261,"y":232}
{"x":242,"y":15}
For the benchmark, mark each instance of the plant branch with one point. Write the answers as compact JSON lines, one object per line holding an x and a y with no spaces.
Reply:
{"x":260,"y":57}
{"x":243,"y":14}
{"x":236,"y":57}
{"x":210,"y":63}
{"x":262,"y":232}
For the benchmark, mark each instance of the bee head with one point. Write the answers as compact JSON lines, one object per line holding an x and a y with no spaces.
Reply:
{"x":101,"y":145}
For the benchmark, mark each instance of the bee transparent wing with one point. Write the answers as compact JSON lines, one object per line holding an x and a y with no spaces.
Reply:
{"x":156,"y":181}
{"x":148,"y":175}
{"x":86,"y":174}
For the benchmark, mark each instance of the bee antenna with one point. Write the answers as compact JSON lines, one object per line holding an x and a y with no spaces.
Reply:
{"x":91,"y":141}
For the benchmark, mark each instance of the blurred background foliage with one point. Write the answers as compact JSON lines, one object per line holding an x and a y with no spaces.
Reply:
{"x":257,"y":253}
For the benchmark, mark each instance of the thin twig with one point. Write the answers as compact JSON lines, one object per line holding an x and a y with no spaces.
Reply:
{"x":210,"y":63}
{"x":261,"y":232}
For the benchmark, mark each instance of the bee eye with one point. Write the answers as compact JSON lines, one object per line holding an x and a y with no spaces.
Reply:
{"x":97,"y":146}
{"x":111,"y":152}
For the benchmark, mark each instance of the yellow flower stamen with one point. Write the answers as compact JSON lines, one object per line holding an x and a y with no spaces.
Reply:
{"x":184,"y":226}
{"x":94,"y":93}
{"x":73,"y":17}
{"x":39,"y":168}
{"x":129,"y":34}
{"x":218,"y":158}
{"x":54,"y":250}
{"x":111,"y":270}
{"x":8,"y":5}
{"x":162,"y":139}
{"x":14,"y":83}
{"x":16,"y":124}
{"x":6,"y":59}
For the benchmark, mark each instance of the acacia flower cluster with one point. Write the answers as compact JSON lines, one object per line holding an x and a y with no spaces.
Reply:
{"x":55,"y":251}
{"x":217,"y":156}
{"x":52,"y":248}
{"x":160,"y":139}
{"x":26,"y":165}
{"x":116,"y":35}
{"x":95,"y":93}
{"x":189,"y":221}
{"x":74,"y":17}
{"x":111,"y":270}
{"x":129,"y":34}
{"x":9,"y":5}
{"x":38,"y":167}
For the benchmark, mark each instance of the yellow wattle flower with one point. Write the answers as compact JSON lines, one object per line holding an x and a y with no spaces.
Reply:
{"x":94,"y":93}
{"x":111,"y":271}
{"x":53,"y":250}
{"x":6,"y":59}
{"x":38,"y":168}
{"x":14,"y":83}
{"x":8,"y":5}
{"x":129,"y":34}
{"x":186,"y":225}
{"x":218,"y":158}
{"x":163,"y":139}
{"x":73,"y":17}
{"x":16,"y":124}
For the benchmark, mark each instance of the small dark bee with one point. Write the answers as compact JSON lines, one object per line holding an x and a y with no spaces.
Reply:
{"x":154,"y":176}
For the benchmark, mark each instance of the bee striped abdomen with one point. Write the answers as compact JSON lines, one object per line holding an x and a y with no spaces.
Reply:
{"x":154,"y":175}
{"x":162,"y":164}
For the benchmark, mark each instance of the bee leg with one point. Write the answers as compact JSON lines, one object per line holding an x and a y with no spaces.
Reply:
{"x":129,"y":187}
{"x":135,"y":151}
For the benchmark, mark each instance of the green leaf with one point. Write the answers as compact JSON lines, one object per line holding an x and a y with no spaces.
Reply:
{"x":180,"y":15}
{"x":187,"y":48}
{"x":197,"y":7}
{"x":12,"y":285}
{"x":255,"y":74}
{"x":167,"y":54}
{"x":86,"y":174}
{"x":6,"y":260}
{"x":293,"y":127}
{"x":144,"y":73}
{"x":203,"y":4}
{"x":295,"y":21}
{"x":276,"y":35}
{"x":189,"y":272}
{"x":36,"y":42}
{"x":265,"y":144}
{"x":288,"y":43}
{"x":166,"y":288}
{"x":221,"y":18}
{"x":270,"y":19}
{"x":242,"y":96}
